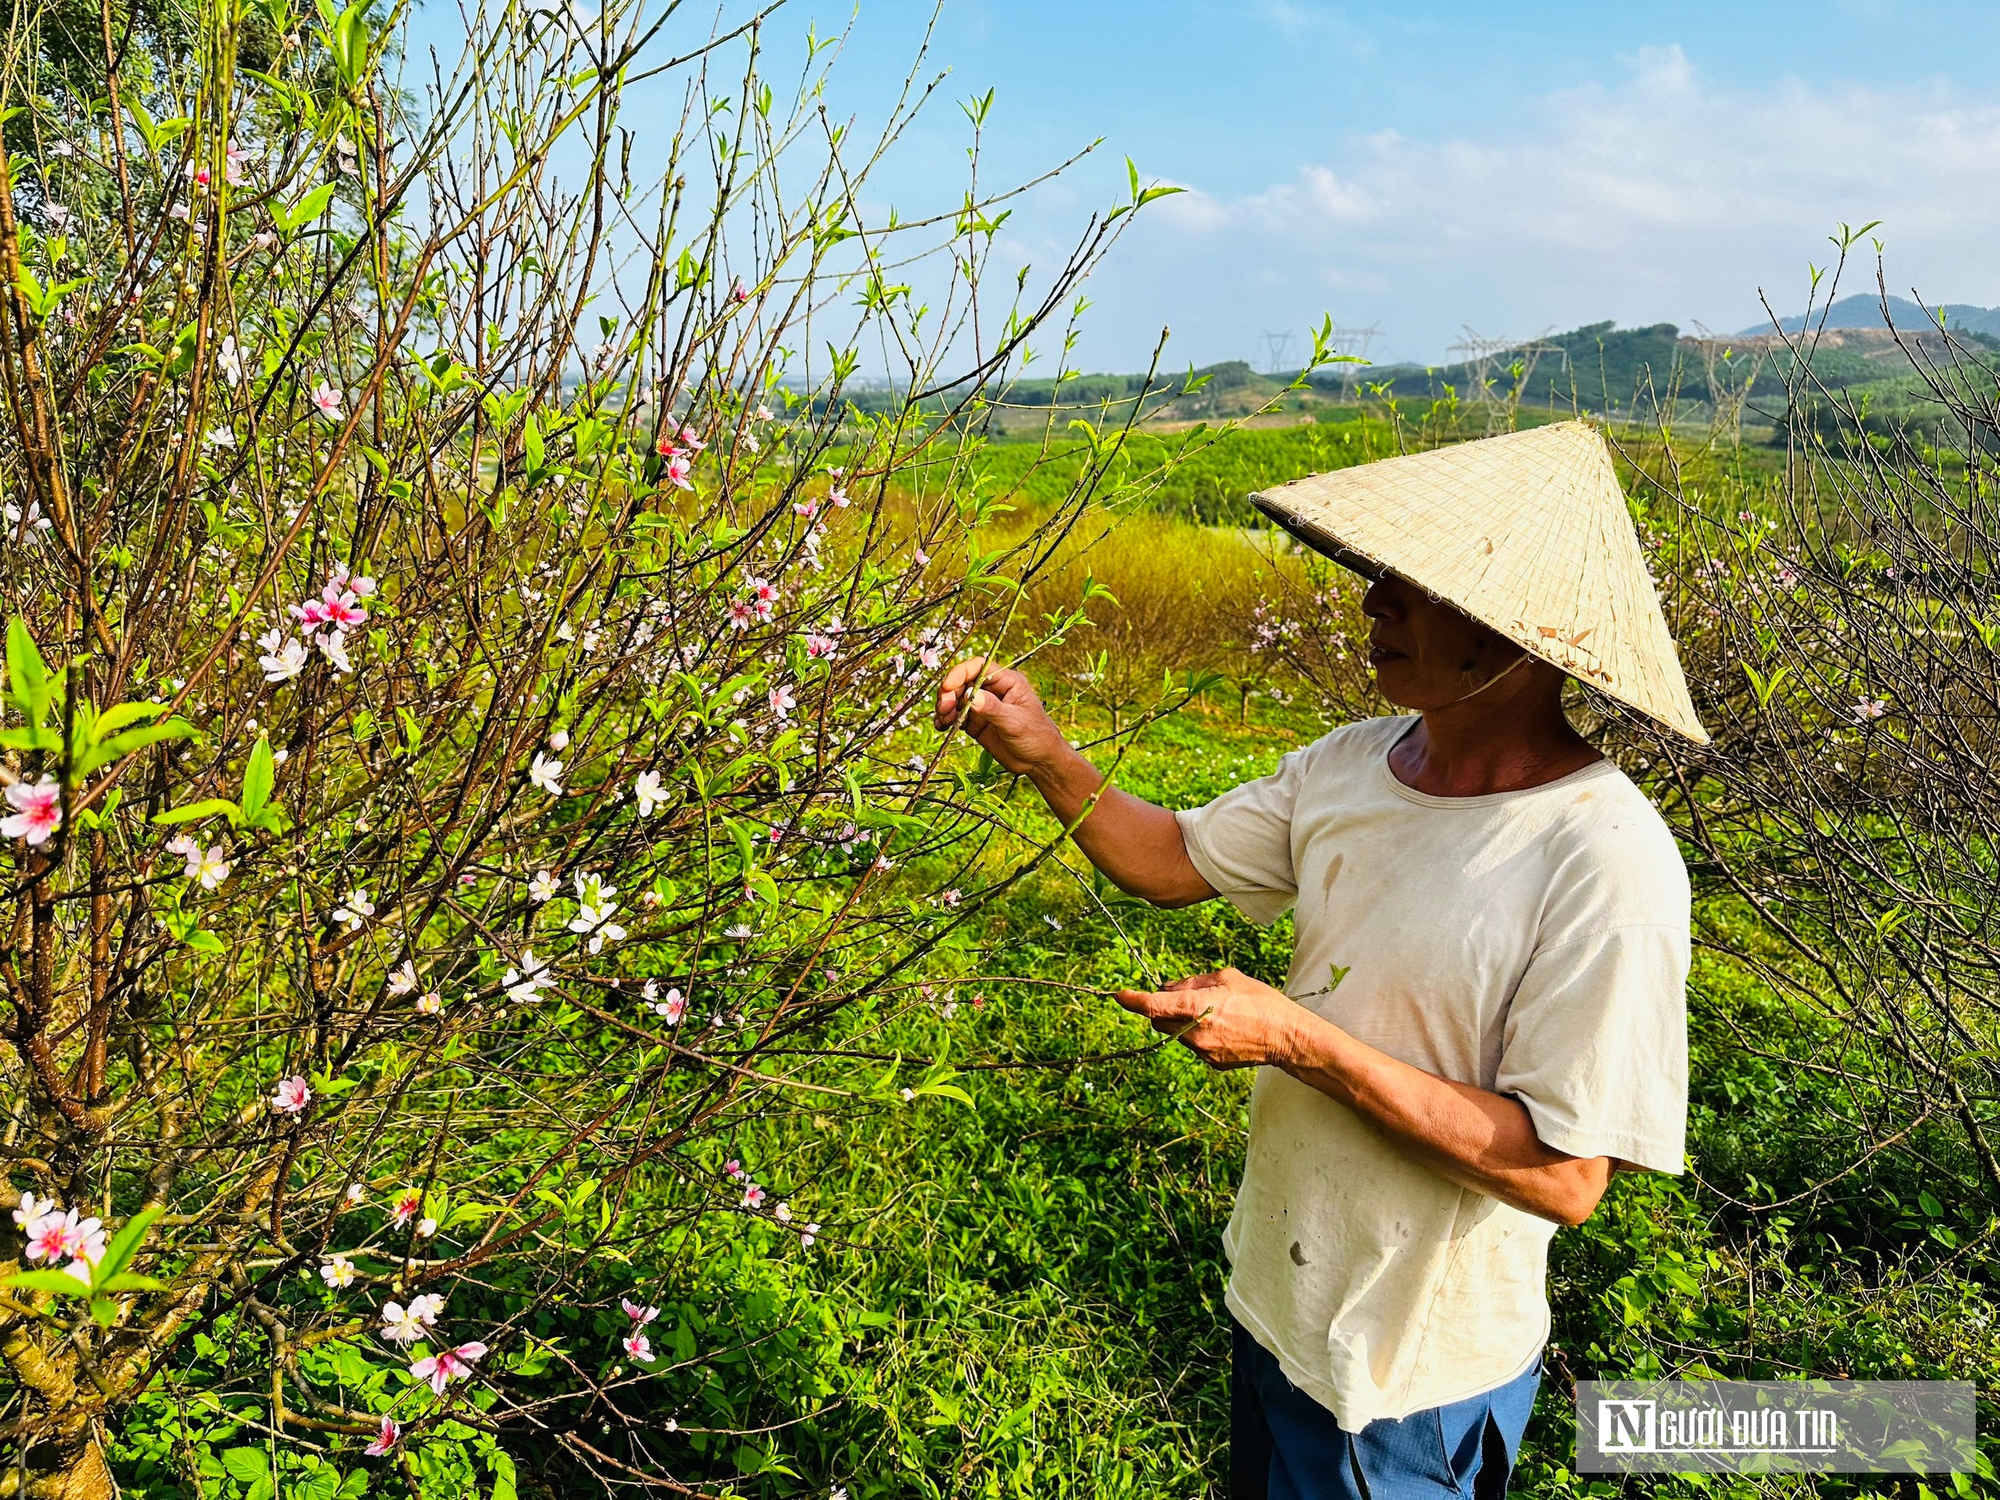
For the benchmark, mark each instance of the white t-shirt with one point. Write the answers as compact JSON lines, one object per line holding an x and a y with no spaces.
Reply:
{"x":1532,"y":943}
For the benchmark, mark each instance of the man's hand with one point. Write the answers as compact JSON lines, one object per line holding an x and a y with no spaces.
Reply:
{"x":1227,"y":1019}
{"x":1006,"y":718}
{"x":1477,"y":1139}
{"x":1138,"y":845}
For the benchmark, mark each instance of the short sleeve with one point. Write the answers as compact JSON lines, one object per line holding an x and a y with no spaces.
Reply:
{"x":1242,"y":841}
{"x":1595,"y":1045}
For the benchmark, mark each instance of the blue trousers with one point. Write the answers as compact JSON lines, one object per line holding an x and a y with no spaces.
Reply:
{"x":1283,"y":1445}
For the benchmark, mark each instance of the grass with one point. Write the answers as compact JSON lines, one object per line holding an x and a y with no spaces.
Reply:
{"x":1045,"y":1268}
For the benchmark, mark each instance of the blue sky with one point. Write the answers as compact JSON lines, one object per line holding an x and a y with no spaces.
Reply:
{"x":1433,"y":167}
{"x":1428,"y":166}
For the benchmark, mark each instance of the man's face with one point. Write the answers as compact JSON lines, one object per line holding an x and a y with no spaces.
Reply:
{"x":1425,"y":653}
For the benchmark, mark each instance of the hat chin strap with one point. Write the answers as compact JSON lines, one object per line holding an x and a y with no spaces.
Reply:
{"x":1524,"y":656}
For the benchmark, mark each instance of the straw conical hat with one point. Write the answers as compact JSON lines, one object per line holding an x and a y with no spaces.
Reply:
{"x":1526,"y":532}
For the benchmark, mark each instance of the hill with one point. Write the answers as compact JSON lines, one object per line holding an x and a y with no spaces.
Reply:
{"x":1864,"y":310}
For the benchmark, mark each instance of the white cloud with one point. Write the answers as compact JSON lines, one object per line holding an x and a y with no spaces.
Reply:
{"x":1654,"y":196}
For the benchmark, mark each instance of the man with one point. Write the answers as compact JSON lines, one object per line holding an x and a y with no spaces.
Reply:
{"x":1484,"y":1017}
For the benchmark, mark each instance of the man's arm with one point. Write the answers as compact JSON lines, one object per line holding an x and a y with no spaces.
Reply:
{"x":1477,"y":1139}
{"x":1138,"y":846}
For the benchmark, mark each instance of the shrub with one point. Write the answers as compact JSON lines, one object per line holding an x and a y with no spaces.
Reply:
{"x":454,"y":743}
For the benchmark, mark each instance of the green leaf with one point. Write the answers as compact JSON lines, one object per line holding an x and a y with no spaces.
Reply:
{"x":124,"y":1245}
{"x":258,"y":779}
{"x":28,"y":686}
{"x":121,"y":745}
{"x":119,"y":715}
{"x":206,"y":942}
{"x":324,"y":1485}
{"x":31,"y":739}
{"x":132,"y":1281}
{"x":246,"y":1465}
{"x":60,"y":1282}
{"x":531,"y":438}
{"x":503,"y":1477}
{"x":158,"y":134}
{"x":194,"y":812}
{"x":306,"y":210}
{"x":180,"y":359}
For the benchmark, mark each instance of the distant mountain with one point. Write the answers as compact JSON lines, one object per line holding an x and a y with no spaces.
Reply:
{"x":1864,"y":310}
{"x":1593,"y":368}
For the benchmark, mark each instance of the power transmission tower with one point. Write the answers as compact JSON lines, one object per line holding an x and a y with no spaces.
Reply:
{"x":1277,"y":346}
{"x":1731,"y":367}
{"x":1480,"y":355}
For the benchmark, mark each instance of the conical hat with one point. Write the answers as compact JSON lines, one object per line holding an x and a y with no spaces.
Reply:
{"x":1526,"y":532}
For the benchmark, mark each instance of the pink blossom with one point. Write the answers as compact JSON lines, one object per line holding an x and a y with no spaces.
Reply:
{"x":764,"y":592}
{"x":753,"y":1196}
{"x":807,"y":508}
{"x":385,"y":1439}
{"x":405,"y":1325}
{"x":408,"y":1204}
{"x":39,"y":814}
{"x":782,"y":702}
{"x":56,"y":1237}
{"x":235,"y":158}
{"x":738,"y":292}
{"x":639,"y":1347}
{"x":291,"y":1096}
{"x":741,"y":615}
{"x":733,"y":1168}
{"x":647,"y":792}
{"x":326,"y":400}
{"x":1870,"y":708}
{"x":546,"y":774}
{"x":340,"y":579}
{"x":819,"y":646}
{"x":673,"y":1007}
{"x":638,"y":1312}
{"x":333,"y":646}
{"x":688,"y":440}
{"x":930,"y":658}
{"x":448,"y":1365}
{"x":207,"y":866}
{"x":47,"y":1237}
{"x":339,"y":609}
{"x":679,"y":468}
{"x":950,"y":897}
{"x":837,"y":497}
{"x":762,"y":414}
{"x":808,"y":1235}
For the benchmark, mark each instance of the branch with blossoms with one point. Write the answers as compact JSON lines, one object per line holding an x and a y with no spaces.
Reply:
{"x":459,"y":779}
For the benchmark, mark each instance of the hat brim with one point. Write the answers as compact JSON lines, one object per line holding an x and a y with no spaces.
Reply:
{"x":1321,"y":542}
{"x":1374,"y":570}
